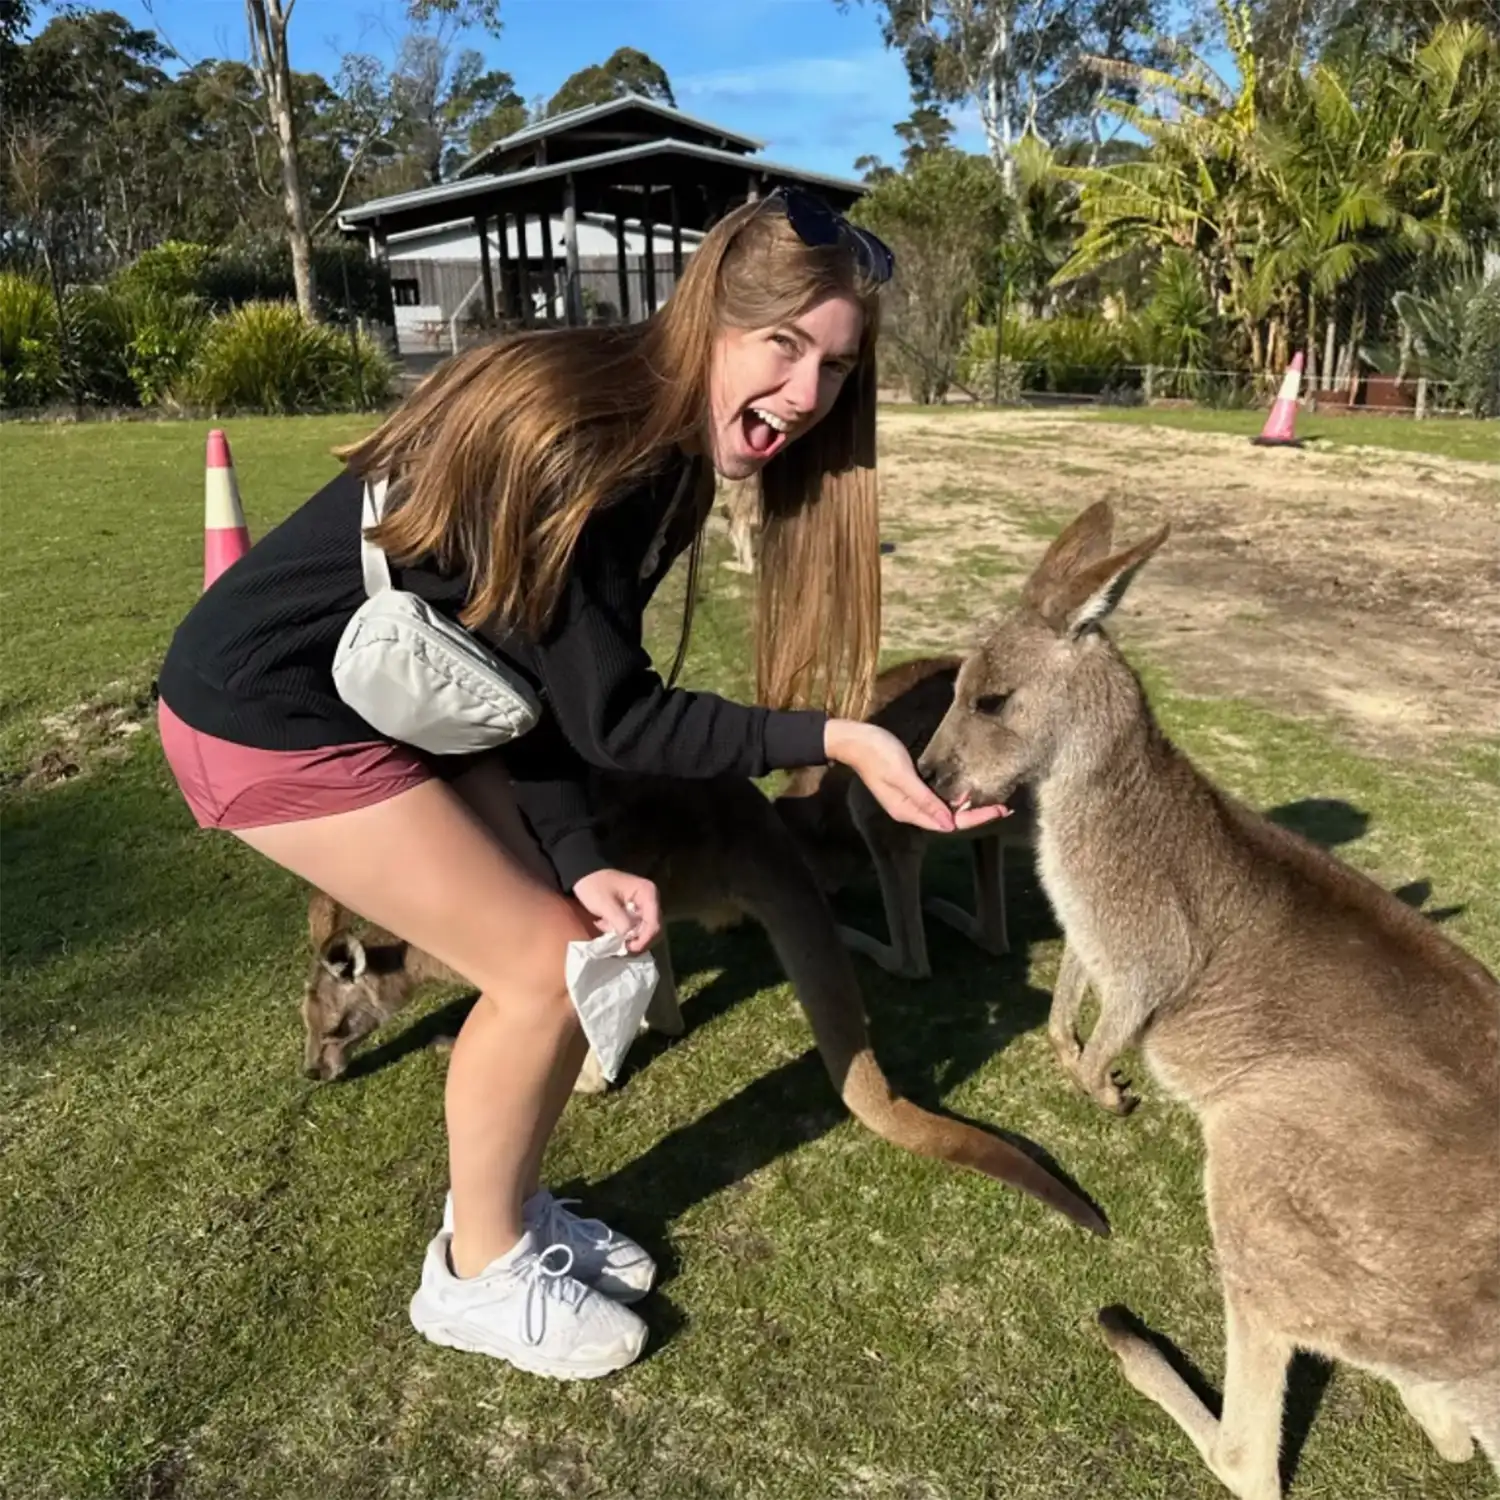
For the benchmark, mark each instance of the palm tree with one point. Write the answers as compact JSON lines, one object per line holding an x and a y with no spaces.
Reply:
{"x":1319,"y":195}
{"x":1044,"y":225}
{"x":1193,"y":190}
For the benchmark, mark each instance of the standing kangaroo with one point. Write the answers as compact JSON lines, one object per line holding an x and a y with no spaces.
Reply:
{"x":1342,"y":1056}
{"x":716,"y":852}
{"x":842,"y":830}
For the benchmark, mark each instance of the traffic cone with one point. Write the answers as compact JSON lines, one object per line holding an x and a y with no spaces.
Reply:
{"x":1280,"y":428}
{"x":226,"y":538}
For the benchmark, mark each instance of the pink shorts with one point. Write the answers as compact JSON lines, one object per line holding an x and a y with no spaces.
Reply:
{"x":235,"y":786}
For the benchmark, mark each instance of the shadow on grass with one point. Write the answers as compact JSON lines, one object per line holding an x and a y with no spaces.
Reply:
{"x":929,"y":1038}
{"x":107,"y":878}
{"x":1330,"y":822}
{"x":1324,"y":820}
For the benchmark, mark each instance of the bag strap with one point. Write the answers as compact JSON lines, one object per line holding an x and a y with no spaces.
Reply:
{"x":372,"y":560}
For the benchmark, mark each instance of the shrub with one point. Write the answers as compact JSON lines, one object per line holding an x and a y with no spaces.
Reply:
{"x":1022,"y":349}
{"x":99,"y":331}
{"x":265,"y":356}
{"x":175,"y":268}
{"x":1477,"y":385}
{"x":30,"y":368}
{"x":1085,"y":355}
{"x":132,"y":342}
{"x":166,"y":330}
{"x":1436,"y":323}
{"x":260,"y":270}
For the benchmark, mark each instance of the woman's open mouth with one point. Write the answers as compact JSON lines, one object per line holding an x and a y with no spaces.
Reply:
{"x":763,"y":432}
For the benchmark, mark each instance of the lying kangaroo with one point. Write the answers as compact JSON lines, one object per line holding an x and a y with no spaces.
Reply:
{"x":1342,"y":1055}
{"x":360,"y":979}
{"x":717,"y":852}
{"x":742,"y":508}
{"x":841,"y":830}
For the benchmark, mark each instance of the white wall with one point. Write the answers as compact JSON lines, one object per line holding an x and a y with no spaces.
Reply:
{"x":459,"y":242}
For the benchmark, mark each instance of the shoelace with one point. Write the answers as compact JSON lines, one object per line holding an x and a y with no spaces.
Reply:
{"x":569,"y":1229}
{"x":543,"y":1281}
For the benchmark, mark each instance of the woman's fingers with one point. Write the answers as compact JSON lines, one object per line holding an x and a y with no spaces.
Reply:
{"x":977,"y":817}
{"x":645,"y":906}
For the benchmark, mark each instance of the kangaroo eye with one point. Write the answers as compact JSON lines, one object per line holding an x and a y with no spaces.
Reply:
{"x":991,"y":703}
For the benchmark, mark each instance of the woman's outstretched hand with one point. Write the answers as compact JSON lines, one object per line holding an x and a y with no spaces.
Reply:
{"x":626,"y":904}
{"x":881,"y":761}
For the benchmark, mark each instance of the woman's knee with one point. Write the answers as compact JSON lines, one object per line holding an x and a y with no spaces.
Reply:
{"x":533,"y":974}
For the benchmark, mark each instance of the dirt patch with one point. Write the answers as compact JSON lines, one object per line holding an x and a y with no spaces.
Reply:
{"x":1360,"y":584}
{"x":84,"y":736}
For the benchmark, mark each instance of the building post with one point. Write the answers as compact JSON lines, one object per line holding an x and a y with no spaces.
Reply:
{"x":623,"y":266}
{"x":572,"y":292}
{"x":648,"y":229}
{"x":481,"y":223}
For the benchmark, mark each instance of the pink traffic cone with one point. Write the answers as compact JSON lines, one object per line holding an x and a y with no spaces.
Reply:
{"x":1280,"y":428}
{"x":226,"y":538}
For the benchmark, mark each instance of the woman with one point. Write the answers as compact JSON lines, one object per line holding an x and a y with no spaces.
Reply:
{"x":539,"y":490}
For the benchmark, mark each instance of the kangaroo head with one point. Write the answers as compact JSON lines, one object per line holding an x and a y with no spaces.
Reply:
{"x":1018,"y":695}
{"x":354,"y":986}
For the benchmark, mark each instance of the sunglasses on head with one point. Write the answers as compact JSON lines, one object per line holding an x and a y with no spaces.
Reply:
{"x":816,"y":225}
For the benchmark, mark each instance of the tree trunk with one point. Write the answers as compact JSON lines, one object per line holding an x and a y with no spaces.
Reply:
{"x":1312,"y":342}
{"x":273,"y":70}
{"x":1330,"y":338}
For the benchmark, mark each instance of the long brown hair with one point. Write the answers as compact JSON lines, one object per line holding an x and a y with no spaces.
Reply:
{"x":498,"y":459}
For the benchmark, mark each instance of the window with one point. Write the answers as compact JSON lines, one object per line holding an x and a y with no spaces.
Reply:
{"x":404,"y":291}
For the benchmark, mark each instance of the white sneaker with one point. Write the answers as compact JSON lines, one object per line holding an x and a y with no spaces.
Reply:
{"x":604,"y":1259}
{"x":527,"y":1309}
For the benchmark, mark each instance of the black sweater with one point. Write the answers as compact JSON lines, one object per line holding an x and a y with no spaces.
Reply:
{"x":252,"y":662}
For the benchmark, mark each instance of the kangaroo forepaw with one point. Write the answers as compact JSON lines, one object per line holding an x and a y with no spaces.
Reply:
{"x":986,"y":939}
{"x":1115,"y":1095}
{"x":1068,"y":1049}
{"x":883,"y":954}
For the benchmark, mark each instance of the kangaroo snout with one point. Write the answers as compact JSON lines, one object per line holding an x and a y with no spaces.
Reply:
{"x":936,"y":770}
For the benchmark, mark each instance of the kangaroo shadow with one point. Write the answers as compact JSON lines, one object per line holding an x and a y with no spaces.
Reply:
{"x":1417,"y":893}
{"x":1330,"y":822}
{"x":747,"y":968}
{"x":1327,"y":821}
{"x":929,"y":1037}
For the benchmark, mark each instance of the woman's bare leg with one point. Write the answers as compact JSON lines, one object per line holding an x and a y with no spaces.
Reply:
{"x":428,"y":864}
{"x":486,"y":788}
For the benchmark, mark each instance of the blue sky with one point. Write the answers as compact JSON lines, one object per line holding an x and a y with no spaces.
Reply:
{"x":816,"y":84}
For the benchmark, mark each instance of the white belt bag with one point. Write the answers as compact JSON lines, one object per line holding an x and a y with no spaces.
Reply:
{"x":417,"y":676}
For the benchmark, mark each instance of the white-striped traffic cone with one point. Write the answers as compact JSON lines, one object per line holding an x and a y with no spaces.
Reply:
{"x":226,"y":538}
{"x":1280,"y":430}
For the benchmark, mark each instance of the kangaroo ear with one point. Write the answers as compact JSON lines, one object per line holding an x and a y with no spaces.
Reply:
{"x":1084,"y":541}
{"x":325,"y":917}
{"x":344,"y":957}
{"x":1085,"y":599}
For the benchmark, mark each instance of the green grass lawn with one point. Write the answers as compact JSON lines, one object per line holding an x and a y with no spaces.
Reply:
{"x":205,"y":1260}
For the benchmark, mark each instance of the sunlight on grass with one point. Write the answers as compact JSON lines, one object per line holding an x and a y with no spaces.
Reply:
{"x":205,"y":1259}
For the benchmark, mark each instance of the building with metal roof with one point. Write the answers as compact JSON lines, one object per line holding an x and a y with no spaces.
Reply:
{"x":657,"y":177}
